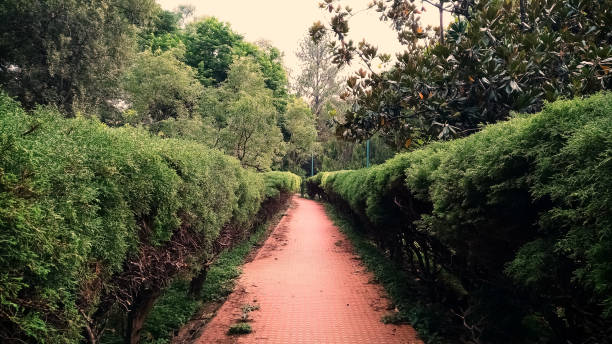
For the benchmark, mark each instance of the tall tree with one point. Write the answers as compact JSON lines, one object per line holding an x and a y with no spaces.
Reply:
{"x":243,"y":117}
{"x":270,"y":61}
{"x":163,"y":32}
{"x":497,"y":57}
{"x":161,"y":87}
{"x":318,"y":80}
{"x":210,"y":44}
{"x":68,"y":53}
{"x":300,"y":124}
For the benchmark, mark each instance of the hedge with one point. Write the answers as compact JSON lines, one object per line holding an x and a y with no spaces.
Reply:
{"x":510,"y":227}
{"x":277,"y":181}
{"x":92,"y":216}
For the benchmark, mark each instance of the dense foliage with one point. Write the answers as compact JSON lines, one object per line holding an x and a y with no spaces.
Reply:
{"x":93,"y":219}
{"x":159,"y":87}
{"x":68,"y":53}
{"x":299,"y":127}
{"x":212,"y":46}
{"x":243,"y":118}
{"x":496,"y":57}
{"x":510,"y":228}
{"x":319,"y":84}
{"x":277,"y":182}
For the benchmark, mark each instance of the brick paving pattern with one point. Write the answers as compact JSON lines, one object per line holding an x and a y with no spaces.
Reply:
{"x":310,"y":288}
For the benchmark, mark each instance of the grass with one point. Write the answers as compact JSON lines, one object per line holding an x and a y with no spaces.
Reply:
{"x":246,"y":309}
{"x":240,"y":328}
{"x":428,"y":319}
{"x":393,"y":318}
{"x":175,"y":307}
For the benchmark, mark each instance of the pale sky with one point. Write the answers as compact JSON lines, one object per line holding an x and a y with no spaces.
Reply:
{"x":285,"y":22}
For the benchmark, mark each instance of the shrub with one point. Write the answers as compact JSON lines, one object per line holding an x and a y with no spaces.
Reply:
{"x":277,"y":181}
{"x":240,"y":328}
{"x":508,"y":225}
{"x":91,"y":217}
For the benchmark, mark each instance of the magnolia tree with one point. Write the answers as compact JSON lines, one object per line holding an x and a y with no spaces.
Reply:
{"x":496,"y":57}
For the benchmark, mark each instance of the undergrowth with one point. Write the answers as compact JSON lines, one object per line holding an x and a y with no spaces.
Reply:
{"x":240,"y":328}
{"x":175,"y":307}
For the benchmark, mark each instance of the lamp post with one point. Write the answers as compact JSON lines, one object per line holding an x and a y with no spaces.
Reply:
{"x":368,"y":153}
{"x":312,"y":164}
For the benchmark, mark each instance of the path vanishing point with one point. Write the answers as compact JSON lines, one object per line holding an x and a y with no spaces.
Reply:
{"x":310,"y":288}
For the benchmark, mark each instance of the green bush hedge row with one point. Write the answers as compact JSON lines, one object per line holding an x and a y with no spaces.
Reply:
{"x":78,"y":199}
{"x":277,"y":181}
{"x":510,"y":227}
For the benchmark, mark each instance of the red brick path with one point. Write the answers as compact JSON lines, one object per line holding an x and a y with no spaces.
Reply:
{"x":310,"y":288}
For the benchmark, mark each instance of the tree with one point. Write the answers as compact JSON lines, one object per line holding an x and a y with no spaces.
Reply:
{"x":68,"y":53}
{"x":163,"y":33}
{"x":493,"y":61}
{"x":210,"y":44}
{"x":269,"y":59}
{"x":300,"y":124}
{"x":243,"y":118}
{"x":318,"y":80}
{"x":161,"y":87}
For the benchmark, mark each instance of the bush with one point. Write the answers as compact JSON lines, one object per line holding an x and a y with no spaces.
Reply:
{"x":91,"y":216}
{"x":277,"y":182}
{"x":240,"y":328}
{"x":510,"y":226}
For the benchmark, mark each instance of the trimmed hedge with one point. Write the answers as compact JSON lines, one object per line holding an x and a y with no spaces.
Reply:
{"x":82,"y":205}
{"x":277,"y":182}
{"x":510,"y":227}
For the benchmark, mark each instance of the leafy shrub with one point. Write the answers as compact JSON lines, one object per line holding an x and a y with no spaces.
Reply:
{"x":81,"y":204}
{"x":510,"y":226}
{"x":240,"y":328}
{"x":277,"y":182}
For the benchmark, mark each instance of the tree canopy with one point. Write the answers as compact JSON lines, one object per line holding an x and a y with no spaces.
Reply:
{"x":209,"y":49}
{"x":498,"y":57}
{"x":243,"y":118}
{"x":161,"y":87}
{"x":300,"y":125}
{"x":68,"y":53}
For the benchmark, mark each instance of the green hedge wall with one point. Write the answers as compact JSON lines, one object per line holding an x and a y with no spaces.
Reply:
{"x":277,"y":181}
{"x":79,"y":200}
{"x":511,"y":225}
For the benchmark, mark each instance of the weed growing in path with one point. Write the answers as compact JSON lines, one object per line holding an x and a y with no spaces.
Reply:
{"x":246,"y":309}
{"x":240,"y":328}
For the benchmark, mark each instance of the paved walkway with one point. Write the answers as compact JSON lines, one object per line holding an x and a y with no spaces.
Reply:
{"x":310,"y":288}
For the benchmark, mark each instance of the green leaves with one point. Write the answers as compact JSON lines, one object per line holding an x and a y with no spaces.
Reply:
{"x":68,"y":53}
{"x":492,"y":63}
{"x":80,"y":200}
{"x":299,"y":125}
{"x":244,"y":118}
{"x":161,"y":87}
{"x":209,"y":46}
{"x":518,"y":213}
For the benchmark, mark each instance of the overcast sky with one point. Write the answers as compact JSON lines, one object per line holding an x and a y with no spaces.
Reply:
{"x":286,"y":22}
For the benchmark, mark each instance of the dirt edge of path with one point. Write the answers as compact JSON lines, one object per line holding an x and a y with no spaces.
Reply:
{"x":192,"y":330}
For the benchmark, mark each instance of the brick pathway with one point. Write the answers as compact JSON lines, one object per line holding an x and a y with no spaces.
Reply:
{"x":310,"y":288}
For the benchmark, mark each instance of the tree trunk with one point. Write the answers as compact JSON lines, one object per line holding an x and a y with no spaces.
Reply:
{"x":522,"y":4}
{"x":91,"y":336}
{"x":197,"y":283}
{"x":137,"y":315}
{"x":441,"y":9}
